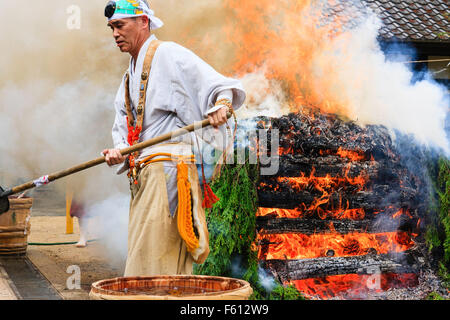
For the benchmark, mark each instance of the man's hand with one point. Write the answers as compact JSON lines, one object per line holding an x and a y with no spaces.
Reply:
{"x":113,"y":157}
{"x":219,"y":117}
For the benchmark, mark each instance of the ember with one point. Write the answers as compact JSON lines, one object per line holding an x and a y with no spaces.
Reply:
{"x":300,"y":246}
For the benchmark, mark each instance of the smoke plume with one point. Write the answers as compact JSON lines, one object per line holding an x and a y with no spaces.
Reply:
{"x":333,"y":62}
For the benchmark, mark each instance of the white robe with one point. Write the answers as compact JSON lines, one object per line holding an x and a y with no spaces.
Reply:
{"x":182,"y":89}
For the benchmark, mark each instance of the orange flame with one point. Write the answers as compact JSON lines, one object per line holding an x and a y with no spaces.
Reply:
{"x":352,"y":214}
{"x":352,"y":155}
{"x":401,"y":212}
{"x":280,"y":213}
{"x":282,"y":151}
{"x":324,"y":183}
{"x":353,"y":285}
{"x":288,"y":40}
{"x":300,"y":246}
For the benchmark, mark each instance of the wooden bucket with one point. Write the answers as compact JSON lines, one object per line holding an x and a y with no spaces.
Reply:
{"x":171,"y":288}
{"x":15,"y":227}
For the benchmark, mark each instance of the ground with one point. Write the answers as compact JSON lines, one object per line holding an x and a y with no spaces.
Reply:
{"x":53,"y":261}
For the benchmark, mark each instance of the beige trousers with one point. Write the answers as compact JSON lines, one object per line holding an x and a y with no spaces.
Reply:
{"x":154,"y":244}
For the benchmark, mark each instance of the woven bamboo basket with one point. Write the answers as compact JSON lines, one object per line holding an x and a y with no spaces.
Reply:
{"x":171,"y":288}
{"x":15,"y":227}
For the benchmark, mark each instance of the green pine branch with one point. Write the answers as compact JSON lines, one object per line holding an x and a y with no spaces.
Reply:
{"x":232,"y":228}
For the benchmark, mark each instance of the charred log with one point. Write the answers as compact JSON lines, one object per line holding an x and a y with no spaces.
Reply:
{"x":375,"y":171}
{"x":314,"y":268}
{"x":309,"y":136}
{"x":383,"y":196}
{"x":267,"y":225}
{"x":293,"y":166}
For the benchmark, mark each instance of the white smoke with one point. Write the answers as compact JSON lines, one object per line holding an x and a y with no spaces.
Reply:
{"x":266,"y":280}
{"x":57,"y":88}
{"x":111,"y":226}
{"x":348,"y":74}
{"x":264,"y":97}
{"x":56,"y":104}
{"x":379,"y":91}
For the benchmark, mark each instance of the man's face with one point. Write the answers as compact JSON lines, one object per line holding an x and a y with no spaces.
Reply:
{"x":126,"y":33}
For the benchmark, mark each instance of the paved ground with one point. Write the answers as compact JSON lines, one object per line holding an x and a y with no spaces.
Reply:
{"x":55,"y":271}
{"x":61,"y":264}
{"x":6,"y":287}
{"x":25,"y":281}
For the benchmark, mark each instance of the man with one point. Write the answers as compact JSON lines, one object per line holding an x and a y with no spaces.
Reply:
{"x":166,"y":87}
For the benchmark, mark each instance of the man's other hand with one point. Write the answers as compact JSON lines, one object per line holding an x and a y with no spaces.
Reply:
{"x":218,"y":117}
{"x":113,"y":157}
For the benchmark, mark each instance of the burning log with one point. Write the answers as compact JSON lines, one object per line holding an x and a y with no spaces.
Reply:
{"x":295,"y":246}
{"x":291,"y":165}
{"x":268,"y":225}
{"x":382,"y":171}
{"x":368,"y":200}
{"x":314,"y":135}
{"x":288,"y":270}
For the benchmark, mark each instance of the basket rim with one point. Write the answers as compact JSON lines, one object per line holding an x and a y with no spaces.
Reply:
{"x":22,"y":203}
{"x":95,"y":287}
{"x":23,"y":199}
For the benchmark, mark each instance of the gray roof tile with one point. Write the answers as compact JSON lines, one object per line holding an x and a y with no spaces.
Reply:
{"x":406,"y":19}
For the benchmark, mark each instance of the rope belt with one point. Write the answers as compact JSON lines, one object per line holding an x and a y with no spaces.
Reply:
{"x":184,"y":213}
{"x":168,"y":157}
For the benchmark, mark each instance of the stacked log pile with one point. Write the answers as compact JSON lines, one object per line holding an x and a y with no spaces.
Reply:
{"x":337,"y":177}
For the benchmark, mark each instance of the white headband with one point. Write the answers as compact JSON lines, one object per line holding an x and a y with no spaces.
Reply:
{"x":155,"y":22}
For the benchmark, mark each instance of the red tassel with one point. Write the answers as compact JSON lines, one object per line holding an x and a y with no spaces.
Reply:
{"x":133,"y":133}
{"x":209,"y":198}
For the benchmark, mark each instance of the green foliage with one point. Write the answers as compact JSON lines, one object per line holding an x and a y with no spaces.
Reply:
{"x":432,"y":238}
{"x":231,"y":222}
{"x":444,"y":274}
{"x":438,"y":231}
{"x":434,"y":296}
{"x":443,"y":186}
{"x":232,"y":228}
{"x":285,"y":293}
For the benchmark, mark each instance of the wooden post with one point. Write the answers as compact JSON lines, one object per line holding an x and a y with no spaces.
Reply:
{"x":69,"y":219}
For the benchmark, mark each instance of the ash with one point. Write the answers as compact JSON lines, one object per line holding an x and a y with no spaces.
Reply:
{"x":428,"y":282}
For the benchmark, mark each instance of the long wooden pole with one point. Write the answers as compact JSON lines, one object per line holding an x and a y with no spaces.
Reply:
{"x":96,"y":162}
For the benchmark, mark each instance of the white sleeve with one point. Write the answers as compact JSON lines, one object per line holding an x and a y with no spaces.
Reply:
{"x":120,"y":128}
{"x":120,"y":133}
{"x":196,"y":86}
{"x":200,"y":85}
{"x":225,"y":94}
